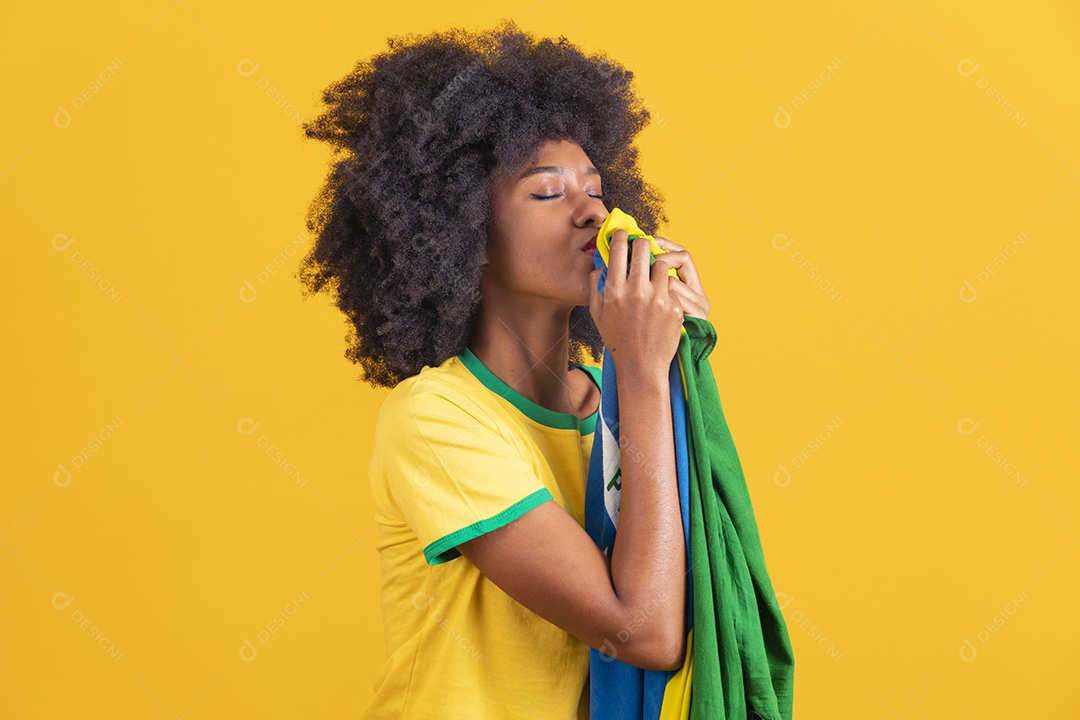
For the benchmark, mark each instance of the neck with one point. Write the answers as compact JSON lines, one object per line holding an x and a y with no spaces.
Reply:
{"x":528,"y":348}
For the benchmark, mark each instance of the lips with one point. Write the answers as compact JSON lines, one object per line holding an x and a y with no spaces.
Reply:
{"x":590,"y":246}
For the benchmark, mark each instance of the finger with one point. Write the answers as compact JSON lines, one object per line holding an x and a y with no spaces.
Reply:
{"x":617,"y":251}
{"x":660,"y":277}
{"x":693,"y":294}
{"x":677,"y":260}
{"x":685,"y":264}
{"x":690,"y":301}
{"x":639,"y":260}
{"x":665,"y":243}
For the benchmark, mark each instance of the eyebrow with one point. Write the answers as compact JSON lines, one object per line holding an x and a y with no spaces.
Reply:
{"x":558,"y":169}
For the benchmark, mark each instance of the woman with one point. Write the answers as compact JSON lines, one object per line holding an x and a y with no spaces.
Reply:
{"x":456,"y":231}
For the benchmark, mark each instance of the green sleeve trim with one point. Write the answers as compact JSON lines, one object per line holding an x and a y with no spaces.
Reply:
{"x":444,"y":549}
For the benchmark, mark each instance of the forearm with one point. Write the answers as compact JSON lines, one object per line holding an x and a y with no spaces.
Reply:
{"x":648,"y":561}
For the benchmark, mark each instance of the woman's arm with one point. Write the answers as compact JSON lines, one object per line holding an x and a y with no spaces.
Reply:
{"x":632,"y":606}
{"x":648,"y":562}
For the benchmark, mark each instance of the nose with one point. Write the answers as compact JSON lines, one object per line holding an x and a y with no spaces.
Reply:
{"x":589,"y":211}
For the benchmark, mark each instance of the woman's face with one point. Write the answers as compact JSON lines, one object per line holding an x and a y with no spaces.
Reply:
{"x":540,"y":220}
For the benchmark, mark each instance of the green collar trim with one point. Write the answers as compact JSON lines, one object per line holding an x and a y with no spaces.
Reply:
{"x":531,"y":410}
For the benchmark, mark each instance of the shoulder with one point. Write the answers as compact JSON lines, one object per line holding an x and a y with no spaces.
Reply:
{"x":423,"y":419}
{"x":436,"y":401}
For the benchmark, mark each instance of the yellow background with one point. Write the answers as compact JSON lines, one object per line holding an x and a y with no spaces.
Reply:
{"x":890,"y":253}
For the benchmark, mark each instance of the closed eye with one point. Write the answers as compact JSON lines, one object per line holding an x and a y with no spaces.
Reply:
{"x":549,"y":197}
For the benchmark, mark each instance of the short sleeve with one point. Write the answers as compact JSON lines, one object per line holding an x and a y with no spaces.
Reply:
{"x":451,"y":476}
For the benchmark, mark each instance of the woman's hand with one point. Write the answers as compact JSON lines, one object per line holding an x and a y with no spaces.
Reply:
{"x":639,"y":315}
{"x":689,"y":290}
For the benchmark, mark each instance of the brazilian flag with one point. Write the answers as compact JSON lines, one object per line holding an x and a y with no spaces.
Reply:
{"x":739,"y":664}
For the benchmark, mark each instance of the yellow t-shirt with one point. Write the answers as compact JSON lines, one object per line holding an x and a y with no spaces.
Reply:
{"x":457,"y":453}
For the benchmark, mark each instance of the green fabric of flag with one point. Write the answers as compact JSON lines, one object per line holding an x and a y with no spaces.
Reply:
{"x":743,"y":665}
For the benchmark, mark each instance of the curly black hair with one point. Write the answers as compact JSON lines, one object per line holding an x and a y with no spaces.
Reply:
{"x":400,"y":223}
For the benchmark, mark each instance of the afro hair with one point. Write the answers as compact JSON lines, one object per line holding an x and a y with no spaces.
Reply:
{"x":400,"y":223}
